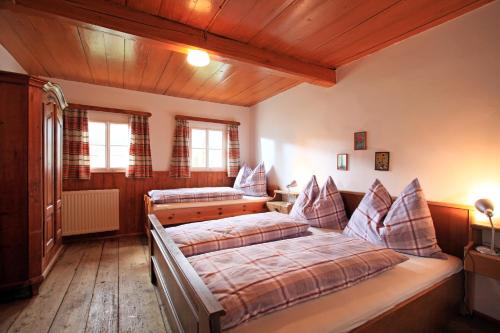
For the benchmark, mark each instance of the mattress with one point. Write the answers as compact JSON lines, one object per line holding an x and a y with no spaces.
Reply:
{"x":341,"y":311}
{"x":244,"y":200}
{"x":195,"y":194}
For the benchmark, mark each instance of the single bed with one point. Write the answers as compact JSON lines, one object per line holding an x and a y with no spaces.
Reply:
{"x":185,"y":212}
{"x":424,"y":303}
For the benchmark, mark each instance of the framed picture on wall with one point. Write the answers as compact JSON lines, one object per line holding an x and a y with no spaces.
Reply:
{"x":360,"y":141}
{"x":382,"y":161}
{"x":342,"y":162}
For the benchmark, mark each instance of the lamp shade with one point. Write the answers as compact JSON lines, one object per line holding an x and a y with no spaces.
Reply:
{"x":485,"y":206}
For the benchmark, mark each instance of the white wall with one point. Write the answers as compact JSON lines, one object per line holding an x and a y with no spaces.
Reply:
{"x":432,"y":101}
{"x":8,"y":63}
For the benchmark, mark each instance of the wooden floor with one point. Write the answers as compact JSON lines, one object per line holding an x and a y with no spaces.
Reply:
{"x":96,"y":286}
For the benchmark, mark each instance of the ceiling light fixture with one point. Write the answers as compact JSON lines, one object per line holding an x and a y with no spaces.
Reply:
{"x":198,"y":58}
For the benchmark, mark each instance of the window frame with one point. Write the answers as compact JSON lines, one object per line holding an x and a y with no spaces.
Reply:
{"x":107,"y":146}
{"x":207,"y":127}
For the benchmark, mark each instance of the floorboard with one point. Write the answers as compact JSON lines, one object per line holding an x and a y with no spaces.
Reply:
{"x":41,"y":310}
{"x":103,"y":314}
{"x":96,"y":286}
{"x":73,"y":312}
{"x":139,"y":309}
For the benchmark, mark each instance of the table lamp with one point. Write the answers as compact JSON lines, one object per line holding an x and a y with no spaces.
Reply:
{"x":485,"y":206}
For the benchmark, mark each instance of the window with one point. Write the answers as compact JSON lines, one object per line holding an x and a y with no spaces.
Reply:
{"x":109,"y":146}
{"x":208,"y":148}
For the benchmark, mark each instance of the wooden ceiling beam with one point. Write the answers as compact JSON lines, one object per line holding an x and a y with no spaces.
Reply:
{"x":120,"y":18}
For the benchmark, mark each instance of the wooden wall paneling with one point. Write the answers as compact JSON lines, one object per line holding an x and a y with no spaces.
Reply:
{"x":29,"y":36}
{"x":15,"y":45}
{"x":64,"y":46}
{"x":171,"y":71}
{"x":132,"y":191}
{"x":147,"y":6}
{"x":135,"y":62}
{"x":95,"y":52}
{"x":278,"y":29}
{"x":156,"y":63}
{"x":251,"y":98}
{"x":178,"y":35}
{"x":242,"y":20}
{"x":185,"y":73}
{"x":262,"y":90}
{"x":115,"y":54}
{"x":342,"y":20}
{"x":223,"y":72}
{"x":431,"y":23}
{"x":199,"y":78}
{"x":198,"y":14}
{"x":396,"y":20}
{"x":231,"y":83}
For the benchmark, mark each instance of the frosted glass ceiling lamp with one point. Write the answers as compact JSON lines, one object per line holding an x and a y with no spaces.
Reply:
{"x":485,"y":206}
{"x":198,"y":58}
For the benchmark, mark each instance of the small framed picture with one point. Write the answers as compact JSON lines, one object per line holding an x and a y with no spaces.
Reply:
{"x":382,"y":161}
{"x":360,"y":141}
{"x":342,"y":162}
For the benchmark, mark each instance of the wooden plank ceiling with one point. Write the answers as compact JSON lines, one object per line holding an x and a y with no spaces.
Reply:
{"x":327,"y":33}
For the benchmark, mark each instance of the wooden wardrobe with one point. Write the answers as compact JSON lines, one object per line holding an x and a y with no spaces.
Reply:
{"x":31,"y":143}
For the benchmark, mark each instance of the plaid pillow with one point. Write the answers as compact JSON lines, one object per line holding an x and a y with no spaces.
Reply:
{"x":242,"y":176}
{"x":370,"y":213}
{"x":255,"y":183}
{"x":408,"y":227}
{"x":328,"y":209}
{"x":306,"y":199}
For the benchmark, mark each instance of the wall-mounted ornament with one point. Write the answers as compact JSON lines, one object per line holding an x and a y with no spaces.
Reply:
{"x":360,"y":141}
{"x":382,"y":161}
{"x":342,"y":162}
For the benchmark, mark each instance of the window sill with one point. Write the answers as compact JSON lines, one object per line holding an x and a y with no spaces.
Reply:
{"x":108,"y":171}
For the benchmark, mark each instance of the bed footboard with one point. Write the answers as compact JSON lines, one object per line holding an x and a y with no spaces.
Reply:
{"x":188,"y":303}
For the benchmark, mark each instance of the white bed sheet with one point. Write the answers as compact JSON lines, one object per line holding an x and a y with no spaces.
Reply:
{"x":245,"y":199}
{"x":349,"y":308}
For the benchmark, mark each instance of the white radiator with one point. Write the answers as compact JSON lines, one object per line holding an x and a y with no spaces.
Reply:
{"x":86,"y":212}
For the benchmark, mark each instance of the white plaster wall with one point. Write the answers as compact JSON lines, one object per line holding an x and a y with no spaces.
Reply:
{"x":432,"y":101}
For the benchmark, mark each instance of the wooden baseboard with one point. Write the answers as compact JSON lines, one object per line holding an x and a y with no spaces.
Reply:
{"x":99,"y":235}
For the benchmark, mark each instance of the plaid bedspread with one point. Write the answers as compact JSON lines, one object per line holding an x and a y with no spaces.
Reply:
{"x":209,"y":236}
{"x":255,"y":280}
{"x":196,"y":194}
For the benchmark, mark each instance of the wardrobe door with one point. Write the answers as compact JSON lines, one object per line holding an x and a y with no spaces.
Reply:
{"x":58,"y":170}
{"x":48,"y":177}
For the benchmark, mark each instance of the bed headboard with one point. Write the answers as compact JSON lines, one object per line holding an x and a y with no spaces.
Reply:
{"x":452,"y":222}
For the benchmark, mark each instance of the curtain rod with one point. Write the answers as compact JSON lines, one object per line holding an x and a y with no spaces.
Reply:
{"x":112,"y":110}
{"x":207,"y":120}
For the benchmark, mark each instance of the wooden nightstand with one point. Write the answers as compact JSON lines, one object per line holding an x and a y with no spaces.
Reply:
{"x":478,"y":263}
{"x":282,"y":201}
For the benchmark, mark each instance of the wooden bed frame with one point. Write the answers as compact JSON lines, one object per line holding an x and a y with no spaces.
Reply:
{"x":174,"y":216}
{"x":190,"y":306}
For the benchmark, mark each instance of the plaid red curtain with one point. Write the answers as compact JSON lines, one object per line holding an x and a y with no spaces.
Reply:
{"x":140,"y":165}
{"x":179,"y":164}
{"x":233,"y":151}
{"x":76,"y":160}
